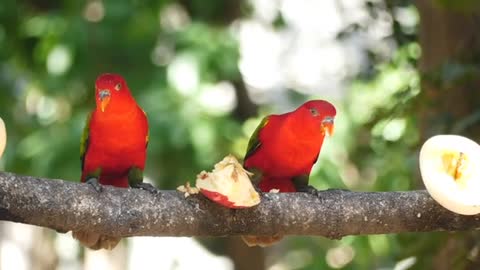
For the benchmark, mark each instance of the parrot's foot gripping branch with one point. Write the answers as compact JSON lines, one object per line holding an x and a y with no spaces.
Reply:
{"x":95,"y":184}
{"x":309,"y":189}
{"x":318,"y":193}
{"x":260,"y":192}
{"x":147,"y":187}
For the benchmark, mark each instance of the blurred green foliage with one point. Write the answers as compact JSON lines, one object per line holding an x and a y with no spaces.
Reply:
{"x":52,"y":55}
{"x":460,"y":5}
{"x":52,"y":51}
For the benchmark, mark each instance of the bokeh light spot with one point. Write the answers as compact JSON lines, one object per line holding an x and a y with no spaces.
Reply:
{"x":94,"y":11}
{"x":59,"y":60}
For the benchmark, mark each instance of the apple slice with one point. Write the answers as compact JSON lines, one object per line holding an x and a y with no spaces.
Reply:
{"x":228,"y":184}
{"x":450,"y":168}
{"x":3,"y":137}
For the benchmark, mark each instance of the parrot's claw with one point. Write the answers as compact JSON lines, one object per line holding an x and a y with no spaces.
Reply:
{"x":260,"y":192}
{"x":318,"y":193}
{"x":310,"y":190}
{"x":147,"y":187}
{"x":95,"y":184}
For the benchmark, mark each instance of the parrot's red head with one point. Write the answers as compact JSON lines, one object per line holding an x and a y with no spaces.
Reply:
{"x":321,"y":111}
{"x":110,"y":88}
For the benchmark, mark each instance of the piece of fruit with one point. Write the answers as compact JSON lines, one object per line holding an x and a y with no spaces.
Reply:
{"x":228,"y":184}
{"x":450,"y":168}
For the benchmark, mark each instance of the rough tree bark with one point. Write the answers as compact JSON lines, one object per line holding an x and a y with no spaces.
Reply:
{"x":66,"y":206}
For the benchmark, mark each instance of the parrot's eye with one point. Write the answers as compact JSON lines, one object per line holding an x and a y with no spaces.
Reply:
{"x":118,"y":86}
{"x":314,"y":112}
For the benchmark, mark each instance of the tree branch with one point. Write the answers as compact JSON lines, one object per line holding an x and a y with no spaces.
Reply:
{"x":65,"y":206}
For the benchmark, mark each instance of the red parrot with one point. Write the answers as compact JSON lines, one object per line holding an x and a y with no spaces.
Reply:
{"x":113,"y":146}
{"x":283,"y":150}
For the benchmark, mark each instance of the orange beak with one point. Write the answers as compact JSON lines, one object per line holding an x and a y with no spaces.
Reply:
{"x":327,"y":126}
{"x":104,"y":97}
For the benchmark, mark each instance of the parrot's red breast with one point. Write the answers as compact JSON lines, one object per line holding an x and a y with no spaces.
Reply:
{"x":287,"y":145}
{"x":117,"y":133}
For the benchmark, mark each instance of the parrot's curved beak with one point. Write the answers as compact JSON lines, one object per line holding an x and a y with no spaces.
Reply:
{"x":327,"y":126}
{"x":104,"y":97}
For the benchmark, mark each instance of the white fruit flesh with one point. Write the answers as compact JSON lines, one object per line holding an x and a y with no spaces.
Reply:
{"x":228,"y":184}
{"x":450,"y":165}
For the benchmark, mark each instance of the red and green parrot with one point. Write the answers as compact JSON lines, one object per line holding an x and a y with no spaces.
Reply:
{"x":113,"y":146}
{"x":283,"y":150}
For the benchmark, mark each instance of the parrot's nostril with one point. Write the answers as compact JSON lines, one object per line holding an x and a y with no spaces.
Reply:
{"x":328,"y":119}
{"x":103,"y":94}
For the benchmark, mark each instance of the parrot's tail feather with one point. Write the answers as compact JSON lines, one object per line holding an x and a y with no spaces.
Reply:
{"x":261,"y":241}
{"x":96,"y":241}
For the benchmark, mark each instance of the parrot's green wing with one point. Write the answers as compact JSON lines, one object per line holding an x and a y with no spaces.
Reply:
{"x":85,"y":139}
{"x":254,"y":142}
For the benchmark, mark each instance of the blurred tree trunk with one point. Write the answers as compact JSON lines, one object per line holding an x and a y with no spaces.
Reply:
{"x":245,"y":107}
{"x":244,"y":257}
{"x":43,"y":255}
{"x":450,"y":99}
{"x":224,"y":13}
{"x":449,"y":64}
{"x":110,"y":259}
